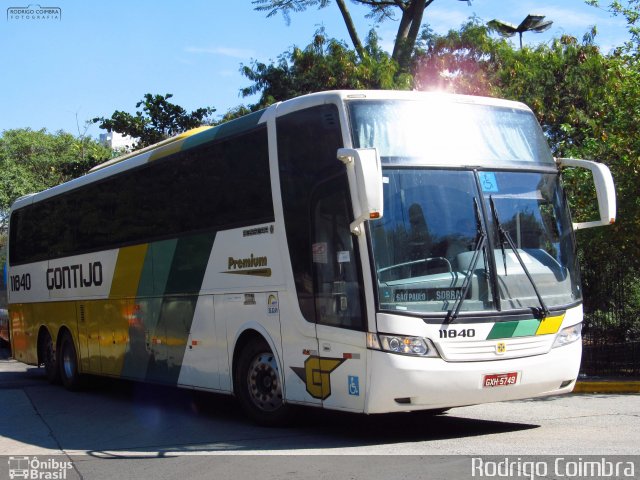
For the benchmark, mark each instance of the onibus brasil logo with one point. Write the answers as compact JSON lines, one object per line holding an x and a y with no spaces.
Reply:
{"x":34,"y":468}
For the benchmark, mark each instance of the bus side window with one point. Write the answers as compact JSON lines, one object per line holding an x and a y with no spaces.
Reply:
{"x":336,"y":286}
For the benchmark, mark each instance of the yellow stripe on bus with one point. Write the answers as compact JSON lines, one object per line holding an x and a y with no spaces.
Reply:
{"x":550,"y":325}
{"x":176,"y":145}
{"x":126,"y":276}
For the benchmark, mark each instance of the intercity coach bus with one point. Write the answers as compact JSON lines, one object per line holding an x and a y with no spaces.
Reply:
{"x":365,"y":251}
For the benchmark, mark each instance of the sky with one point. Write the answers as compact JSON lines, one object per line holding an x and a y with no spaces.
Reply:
{"x":99,"y":57}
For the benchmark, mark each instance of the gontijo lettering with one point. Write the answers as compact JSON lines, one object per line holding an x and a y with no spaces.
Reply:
{"x":75,"y":276}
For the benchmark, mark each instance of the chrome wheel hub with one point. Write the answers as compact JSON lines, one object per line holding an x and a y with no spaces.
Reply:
{"x":264,"y":385}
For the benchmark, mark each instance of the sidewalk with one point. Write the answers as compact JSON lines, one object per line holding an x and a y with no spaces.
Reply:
{"x":607,"y":385}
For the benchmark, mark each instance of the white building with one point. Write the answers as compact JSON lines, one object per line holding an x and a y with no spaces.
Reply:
{"x":117,"y":141}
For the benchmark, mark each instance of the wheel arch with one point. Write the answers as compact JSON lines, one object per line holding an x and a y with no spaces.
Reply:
{"x":41,"y":335}
{"x":62,"y":331}
{"x":254,"y":332}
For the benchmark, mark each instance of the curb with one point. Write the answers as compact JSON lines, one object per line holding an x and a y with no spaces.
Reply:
{"x":606,"y":386}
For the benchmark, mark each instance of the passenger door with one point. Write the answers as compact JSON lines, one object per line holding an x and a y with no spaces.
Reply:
{"x":340,"y":320}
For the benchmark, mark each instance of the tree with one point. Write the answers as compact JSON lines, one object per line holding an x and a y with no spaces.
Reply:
{"x":325,"y":64}
{"x":158,"y":120}
{"x":31,"y":161}
{"x":411,"y":13}
{"x":458,"y":62}
{"x":588,"y":104}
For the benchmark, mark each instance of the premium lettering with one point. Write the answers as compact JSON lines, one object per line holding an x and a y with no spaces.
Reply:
{"x":249,"y":262}
{"x":75,"y":276}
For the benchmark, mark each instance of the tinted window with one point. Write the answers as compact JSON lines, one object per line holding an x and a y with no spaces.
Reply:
{"x":336,"y":279}
{"x":214,"y":186}
{"x":308,"y":141}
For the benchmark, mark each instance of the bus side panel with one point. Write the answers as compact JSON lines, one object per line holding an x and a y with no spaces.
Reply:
{"x":205,"y":360}
{"x":54,"y":315}
{"x":176,"y":316}
{"x":89,"y":339}
{"x":23,"y":339}
{"x":108,"y":329}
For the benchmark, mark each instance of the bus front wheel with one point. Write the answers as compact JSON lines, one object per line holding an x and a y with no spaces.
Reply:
{"x":69,"y":363}
{"x":258,"y":387}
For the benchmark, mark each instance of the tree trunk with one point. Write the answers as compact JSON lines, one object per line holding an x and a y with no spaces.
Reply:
{"x":403,"y":30}
{"x":416,"y":23}
{"x":408,"y":33}
{"x":351,"y":28}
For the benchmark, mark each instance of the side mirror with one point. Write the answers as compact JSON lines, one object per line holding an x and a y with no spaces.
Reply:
{"x":364,"y":172}
{"x":605,"y":190}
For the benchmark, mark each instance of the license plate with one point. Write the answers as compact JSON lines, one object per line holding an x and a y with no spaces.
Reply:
{"x":499,"y":379}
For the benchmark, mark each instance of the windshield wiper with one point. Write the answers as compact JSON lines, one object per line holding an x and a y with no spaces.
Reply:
{"x":543,"y":311}
{"x":481,"y":240}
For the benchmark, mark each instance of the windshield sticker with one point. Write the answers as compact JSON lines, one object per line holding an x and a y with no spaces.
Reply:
{"x":427,"y":294}
{"x":343,"y":256}
{"x":488,"y":181}
{"x":319,"y":251}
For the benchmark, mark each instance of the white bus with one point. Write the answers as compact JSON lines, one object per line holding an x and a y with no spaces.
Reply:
{"x":365,"y":251}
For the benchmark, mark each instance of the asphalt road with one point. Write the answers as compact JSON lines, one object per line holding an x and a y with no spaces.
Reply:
{"x":115,"y":429}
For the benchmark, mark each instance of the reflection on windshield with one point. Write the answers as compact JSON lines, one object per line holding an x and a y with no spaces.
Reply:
{"x":438,"y":132}
{"x":425,"y":245}
{"x":531,"y":210}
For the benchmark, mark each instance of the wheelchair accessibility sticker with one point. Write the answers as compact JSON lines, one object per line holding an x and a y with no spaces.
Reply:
{"x":354,"y":386}
{"x":488,"y":181}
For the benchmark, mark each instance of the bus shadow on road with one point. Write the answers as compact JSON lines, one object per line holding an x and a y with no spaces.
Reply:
{"x":120,"y":419}
{"x":215,"y":423}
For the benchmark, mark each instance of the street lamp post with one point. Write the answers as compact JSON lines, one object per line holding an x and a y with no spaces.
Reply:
{"x":533,"y":23}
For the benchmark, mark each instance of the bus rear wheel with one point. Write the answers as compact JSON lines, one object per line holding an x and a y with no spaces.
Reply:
{"x":258,"y":387}
{"x":48,"y":357}
{"x":68,"y":361}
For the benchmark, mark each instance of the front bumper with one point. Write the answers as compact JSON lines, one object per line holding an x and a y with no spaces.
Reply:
{"x":402,"y":383}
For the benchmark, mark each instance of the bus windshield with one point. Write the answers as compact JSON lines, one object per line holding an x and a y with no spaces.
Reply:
{"x":439,"y":132}
{"x":442,"y":236}
{"x":424,"y":245}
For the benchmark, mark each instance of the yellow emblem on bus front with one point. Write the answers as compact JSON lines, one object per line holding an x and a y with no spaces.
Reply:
{"x":501,"y":348}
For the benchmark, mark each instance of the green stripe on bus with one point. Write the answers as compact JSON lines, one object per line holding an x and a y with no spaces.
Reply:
{"x":189,"y":264}
{"x":522,"y":328}
{"x":502,"y":330}
{"x":233,"y":127}
{"x":526,"y":328}
{"x":157,"y":266}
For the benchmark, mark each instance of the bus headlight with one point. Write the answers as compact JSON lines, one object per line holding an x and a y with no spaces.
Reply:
{"x":568,"y":335}
{"x":401,"y":344}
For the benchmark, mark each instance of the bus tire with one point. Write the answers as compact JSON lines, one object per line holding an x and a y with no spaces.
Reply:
{"x":48,"y":358}
{"x":68,"y":362}
{"x":257,"y":385}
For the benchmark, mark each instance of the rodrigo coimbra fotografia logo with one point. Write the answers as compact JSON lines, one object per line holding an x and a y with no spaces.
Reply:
{"x":34,"y":12}
{"x":558,"y":467}
{"x":32,"y":468}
